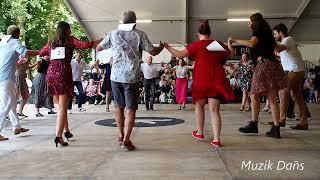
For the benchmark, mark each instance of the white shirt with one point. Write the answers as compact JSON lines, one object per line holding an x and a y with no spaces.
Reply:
{"x":77,"y":69}
{"x":181,"y":71}
{"x":150,"y":71}
{"x":291,"y":58}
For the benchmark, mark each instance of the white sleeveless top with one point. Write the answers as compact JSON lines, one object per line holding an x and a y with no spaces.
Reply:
{"x":181,"y":71}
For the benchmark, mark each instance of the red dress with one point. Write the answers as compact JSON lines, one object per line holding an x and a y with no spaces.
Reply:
{"x":209,"y":79}
{"x":59,"y":75}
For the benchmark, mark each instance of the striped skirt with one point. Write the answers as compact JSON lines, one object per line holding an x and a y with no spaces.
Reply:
{"x":40,"y":92}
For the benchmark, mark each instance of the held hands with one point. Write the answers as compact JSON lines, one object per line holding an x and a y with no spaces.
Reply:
{"x":161,"y":45}
{"x":166,"y":45}
{"x":22,"y":61}
{"x":230,"y":40}
{"x":96,"y":42}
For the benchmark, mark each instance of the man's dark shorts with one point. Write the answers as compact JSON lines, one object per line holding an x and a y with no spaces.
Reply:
{"x":126,"y":95}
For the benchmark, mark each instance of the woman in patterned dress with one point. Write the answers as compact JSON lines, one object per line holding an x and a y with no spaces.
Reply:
{"x":244,"y":74}
{"x":268,"y":76}
{"x":59,"y":75}
{"x":22,"y":86}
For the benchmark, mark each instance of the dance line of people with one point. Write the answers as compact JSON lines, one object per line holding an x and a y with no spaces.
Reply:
{"x":270,"y":76}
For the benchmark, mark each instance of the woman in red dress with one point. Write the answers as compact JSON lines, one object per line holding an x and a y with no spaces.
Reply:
{"x":59,"y":75}
{"x":209,"y":84}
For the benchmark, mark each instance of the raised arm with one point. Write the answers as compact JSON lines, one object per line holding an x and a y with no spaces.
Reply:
{"x":156,"y":50}
{"x":248,"y":43}
{"x":190,"y":67}
{"x":231,"y":48}
{"x":32,"y":53}
{"x":176,"y":53}
{"x":105,"y":43}
{"x":280,"y":47}
{"x":34,"y":65}
{"x":84,"y":44}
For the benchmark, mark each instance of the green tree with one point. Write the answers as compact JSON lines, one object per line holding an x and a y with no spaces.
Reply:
{"x":37,"y":20}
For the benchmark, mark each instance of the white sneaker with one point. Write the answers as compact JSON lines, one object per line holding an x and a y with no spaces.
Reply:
{"x":82,"y":110}
{"x":70,"y":111}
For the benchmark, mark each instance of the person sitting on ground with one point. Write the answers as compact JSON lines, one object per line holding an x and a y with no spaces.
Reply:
{"x":165,"y":90}
{"x":91,"y":91}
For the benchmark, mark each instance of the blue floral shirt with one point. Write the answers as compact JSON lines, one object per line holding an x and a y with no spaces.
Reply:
{"x":126,"y":48}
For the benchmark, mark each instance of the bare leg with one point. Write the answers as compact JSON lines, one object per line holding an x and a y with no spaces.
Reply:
{"x":119,"y":115}
{"x":23,"y":103}
{"x":214,"y":108}
{"x":255,"y":106}
{"x":129,"y":123}
{"x":199,"y":112}
{"x":108,"y":98}
{"x":244,"y":99}
{"x":62,"y":114}
{"x":272,"y":95}
{"x":248,"y":99}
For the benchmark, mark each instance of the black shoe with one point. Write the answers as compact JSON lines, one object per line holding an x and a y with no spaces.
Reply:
{"x":52,"y":112}
{"x":22,"y":115}
{"x":151,"y":107}
{"x":291,"y":116}
{"x":281,"y":124}
{"x":147,"y":106}
{"x":39,"y":115}
{"x":274,"y":132}
{"x":58,"y":140}
{"x":251,"y":127}
{"x":68,"y":135}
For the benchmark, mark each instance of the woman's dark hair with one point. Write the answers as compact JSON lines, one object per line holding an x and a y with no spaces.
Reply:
{"x":259,"y":24}
{"x":204,"y":28}
{"x":262,"y":29}
{"x":62,"y":36}
{"x":183,"y":62}
{"x":281,"y":28}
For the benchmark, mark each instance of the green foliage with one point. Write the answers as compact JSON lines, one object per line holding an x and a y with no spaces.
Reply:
{"x":37,"y":20}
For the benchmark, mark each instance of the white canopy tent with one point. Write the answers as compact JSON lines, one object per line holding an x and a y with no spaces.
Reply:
{"x":176,"y":21}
